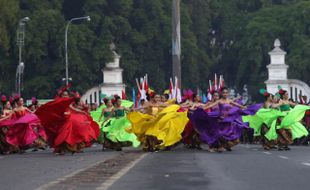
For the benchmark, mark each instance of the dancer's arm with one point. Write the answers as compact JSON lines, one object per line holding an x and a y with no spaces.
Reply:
{"x":238,"y":105}
{"x":292,"y":104}
{"x":111,"y":114}
{"x":77,"y":110}
{"x":211,"y":105}
{"x":102,"y":112}
{"x":276,"y":105}
{"x":6,"y":117}
{"x":126,"y":109}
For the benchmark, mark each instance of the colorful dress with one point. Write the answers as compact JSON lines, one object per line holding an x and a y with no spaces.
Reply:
{"x":288,"y":126}
{"x":26,"y":130}
{"x":102,"y":124}
{"x":115,"y":129}
{"x":67,"y":129}
{"x":166,"y":126}
{"x":222,"y":125}
{"x":261,"y":122}
{"x":5,"y":147}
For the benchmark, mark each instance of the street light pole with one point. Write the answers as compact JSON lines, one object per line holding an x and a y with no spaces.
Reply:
{"x":176,"y":41}
{"x":66,"y":43}
{"x":20,"y":44}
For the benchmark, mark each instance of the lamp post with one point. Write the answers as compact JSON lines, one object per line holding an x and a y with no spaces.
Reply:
{"x":176,"y":41}
{"x":20,"y":44}
{"x":66,"y":43}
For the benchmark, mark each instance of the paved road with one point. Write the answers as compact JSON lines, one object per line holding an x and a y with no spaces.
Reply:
{"x":33,"y":169}
{"x":248,"y":167}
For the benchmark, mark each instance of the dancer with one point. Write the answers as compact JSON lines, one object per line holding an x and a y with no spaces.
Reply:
{"x":116,"y":131}
{"x":6,"y":120}
{"x":106,"y":114}
{"x":68,"y":124}
{"x":161,"y":127}
{"x":79,"y":131}
{"x":26,"y":131}
{"x":289,"y":126}
{"x":190,"y":136}
{"x":263,"y":120}
{"x":221,"y":126}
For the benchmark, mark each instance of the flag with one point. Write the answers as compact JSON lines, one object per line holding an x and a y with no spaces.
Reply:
{"x":209,"y":96}
{"x":215,"y":82}
{"x":143,"y":91}
{"x":222,"y":82}
{"x":146,"y":83}
{"x":123,"y":95}
{"x":210,"y":86}
{"x":204,"y":98}
{"x":197,"y":91}
{"x":134,"y":96}
{"x":172,"y":92}
{"x":178,"y":91}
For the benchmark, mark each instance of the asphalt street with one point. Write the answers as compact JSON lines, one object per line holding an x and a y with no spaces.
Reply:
{"x":33,"y":169}
{"x":247,"y":167}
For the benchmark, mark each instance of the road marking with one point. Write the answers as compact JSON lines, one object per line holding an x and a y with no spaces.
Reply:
{"x":108,"y":183}
{"x":284,"y":157}
{"x":306,"y":163}
{"x":267,"y":153}
{"x":60,"y":180}
{"x":50,"y":184}
{"x":245,"y":146}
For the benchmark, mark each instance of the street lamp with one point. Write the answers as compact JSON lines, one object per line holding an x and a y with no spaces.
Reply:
{"x":20,"y":44}
{"x":66,"y":43}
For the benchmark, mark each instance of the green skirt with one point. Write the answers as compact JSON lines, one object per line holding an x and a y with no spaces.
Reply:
{"x":115,"y":131}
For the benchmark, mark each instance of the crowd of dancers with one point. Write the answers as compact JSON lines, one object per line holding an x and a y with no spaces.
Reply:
{"x":68,"y":125}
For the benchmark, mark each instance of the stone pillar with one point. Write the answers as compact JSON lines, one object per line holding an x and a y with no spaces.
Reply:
{"x":277,"y":69}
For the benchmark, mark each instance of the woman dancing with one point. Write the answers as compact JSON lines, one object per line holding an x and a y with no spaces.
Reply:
{"x":263,"y":120}
{"x":289,"y":126}
{"x":6,"y":120}
{"x":190,"y":136}
{"x":68,"y":124}
{"x":220,"y":127}
{"x":115,"y":125}
{"x":26,"y":131}
{"x":162,"y":125}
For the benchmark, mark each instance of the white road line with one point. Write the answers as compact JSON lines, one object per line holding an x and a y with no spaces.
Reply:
{"x":119,"y":174}
{"x":284,"y":157}
{"x":305,"y":163}
{"x":267,"y":153}
{"x":245,"y":146}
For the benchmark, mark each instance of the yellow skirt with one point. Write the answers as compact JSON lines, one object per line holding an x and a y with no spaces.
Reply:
{"x":167,"y":126}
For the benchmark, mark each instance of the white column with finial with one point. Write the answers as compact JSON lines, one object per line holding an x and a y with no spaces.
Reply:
{"x":277,"y":69}
{"x":113,"y":77}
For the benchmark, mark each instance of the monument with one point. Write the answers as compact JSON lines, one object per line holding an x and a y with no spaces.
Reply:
{"x":277,"y":75}
{"x":112,"y":81}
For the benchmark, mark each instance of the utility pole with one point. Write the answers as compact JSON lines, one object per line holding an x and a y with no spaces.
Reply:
{"x":176,"y":41}
{"x":20,"y":44}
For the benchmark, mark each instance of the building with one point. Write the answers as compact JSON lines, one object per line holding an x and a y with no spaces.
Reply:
{"x":277,"y":75}
{"x":112,"y":82}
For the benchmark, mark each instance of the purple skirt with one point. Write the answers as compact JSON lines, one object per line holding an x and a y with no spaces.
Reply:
{"x":221,"y":125}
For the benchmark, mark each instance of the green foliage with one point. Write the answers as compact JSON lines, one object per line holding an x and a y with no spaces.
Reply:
{"x":230,"y":37}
